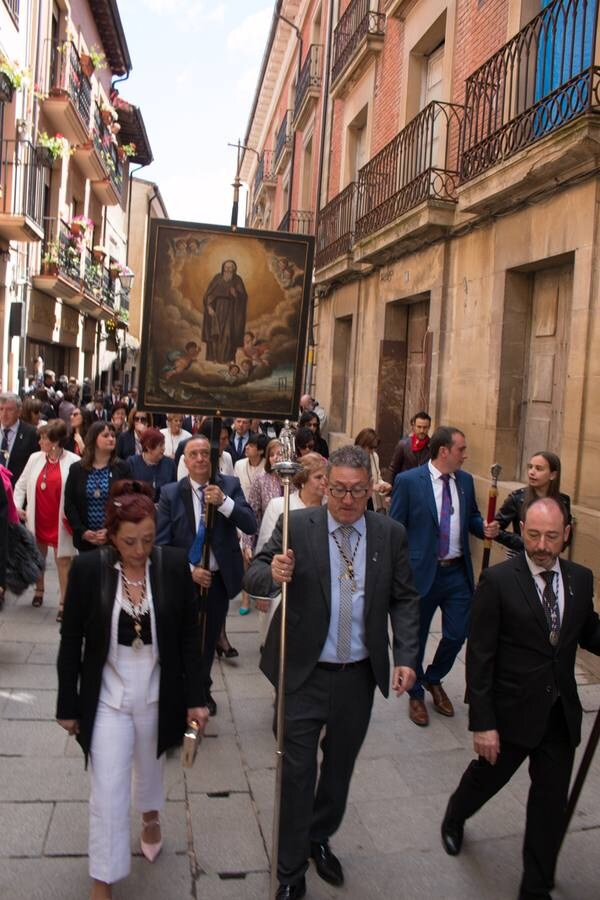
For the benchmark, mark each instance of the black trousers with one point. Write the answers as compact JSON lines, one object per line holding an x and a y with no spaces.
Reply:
{"x":215,"y":609}
{"x":550,"y":766}
{"x":340,"y":702}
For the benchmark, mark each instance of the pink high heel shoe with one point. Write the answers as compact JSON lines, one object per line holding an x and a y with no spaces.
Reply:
{"x":150,"y":851}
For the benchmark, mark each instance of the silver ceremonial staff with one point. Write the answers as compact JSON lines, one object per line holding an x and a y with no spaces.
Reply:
{"x":286,"y":469}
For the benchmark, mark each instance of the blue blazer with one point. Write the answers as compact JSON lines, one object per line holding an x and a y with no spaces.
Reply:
{"x":413,"y":504}
{"x":176,"y":526}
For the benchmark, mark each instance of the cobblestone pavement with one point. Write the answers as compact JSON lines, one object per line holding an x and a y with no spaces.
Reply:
{"x":217,"y":821}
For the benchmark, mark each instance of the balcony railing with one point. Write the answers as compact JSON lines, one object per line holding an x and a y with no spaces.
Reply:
{"x":107,"y":150}
{"x":66,"y":75}
{"x":336,"y":227}
{"x":13,"y":8}
{"x":92,"y":275}
{"x":284,"y":136}
{"x":358,"y":21}
{"x":108,"y":289}
{"x":541,"y":79}
{"x":419,"y":164}
{"x":264,"y":170}
{"x":124,"y":299}
{"x":298,"y":221}
{"x":310,"y":75}
{"x":69,"y":256}
{"x":22,"y":178}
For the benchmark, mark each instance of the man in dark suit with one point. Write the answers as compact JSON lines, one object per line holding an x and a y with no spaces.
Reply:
{"x":436,"y":504}
{"x":180,"y":523}
{"x":18,"y":440}
{"x":529,"y":615}
{"x":348,"y":576}
{"x":239,"y":439}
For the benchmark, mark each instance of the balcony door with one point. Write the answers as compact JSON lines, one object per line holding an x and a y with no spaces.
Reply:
{"x":542,"y":407}
{"x":566,"y":38}
{"x":432,"y":89}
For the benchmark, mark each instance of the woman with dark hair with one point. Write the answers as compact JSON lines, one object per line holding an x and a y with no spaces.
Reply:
{"x":129,"y":676}
{"x":152,"y":466}
{"x":304,"y":442}
{"x":81,"y":420}
{"x":368,"y":440}
{"x":310,"y":420}
{"x":88,"y":486}
{"x":42,"y":487}
{"x":262,"y":492}
{"x":248,"y":470}
{"x":31,"y":412}
{"x":129,"y":441}
{"x":543,"y":477}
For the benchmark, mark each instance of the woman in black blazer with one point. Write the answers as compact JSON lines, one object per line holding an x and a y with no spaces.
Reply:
{"x":129,"y":441}
{"x":129,"y":675}
{"x":88,"y":486}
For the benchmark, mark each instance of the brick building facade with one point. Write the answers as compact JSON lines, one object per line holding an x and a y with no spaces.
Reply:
{"x":457,"y":226}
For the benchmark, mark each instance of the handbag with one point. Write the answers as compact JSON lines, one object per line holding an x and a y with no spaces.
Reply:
{"x":24,"y":562}
{"x":191,"y":741}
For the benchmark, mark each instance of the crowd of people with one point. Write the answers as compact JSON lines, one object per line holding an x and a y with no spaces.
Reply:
{"x":121,"y":497}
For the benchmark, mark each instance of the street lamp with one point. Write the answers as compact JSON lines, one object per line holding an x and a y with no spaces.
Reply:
{"x":126,"y":278}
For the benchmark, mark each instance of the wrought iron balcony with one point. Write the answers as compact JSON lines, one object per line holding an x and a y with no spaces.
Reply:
{"x":283,"y":141}
{"x":419,"y":164}
{"x":359,"y":29}
{"x":108,"y":189}
{"x":124,"y":299}
{"x":69,"y":254}
{"x":22,"y":205}
{"x":309,"y":83}
{"x":265,"y":174}
{"x":13,"y":8}
{"x":298,"y":221}
{"x":69,"y":102}
{"x":108,"y":289}
{"x":92,"y":276}
{"x":541,"y":79}
{"x":60,"y":274}
{"x":335,"y":234}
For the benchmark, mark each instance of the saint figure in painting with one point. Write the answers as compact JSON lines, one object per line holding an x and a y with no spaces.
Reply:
{"x":224,"y":322}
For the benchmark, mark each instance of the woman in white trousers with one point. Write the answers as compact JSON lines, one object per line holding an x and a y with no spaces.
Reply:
{"x":129,"y":676}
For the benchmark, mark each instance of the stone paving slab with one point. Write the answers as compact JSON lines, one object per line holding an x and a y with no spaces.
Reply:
{"x":15,"y":653}
{"x":30,"y":704}
{"x":226,"y":834}
{"x":28,"y":676}
{"x":27,"y":739}
{"x":24,"y":827}
{"x":37,"y":779}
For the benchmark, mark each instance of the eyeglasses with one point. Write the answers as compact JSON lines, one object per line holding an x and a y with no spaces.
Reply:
{"x":140,"y":419}
{"x":357,"y":493}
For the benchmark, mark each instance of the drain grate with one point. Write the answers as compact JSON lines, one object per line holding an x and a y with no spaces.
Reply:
{"x":217,"y":794}
{"x":232,"y":876}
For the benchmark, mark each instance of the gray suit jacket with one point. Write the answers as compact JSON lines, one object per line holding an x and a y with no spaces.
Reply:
{"x":389,"y":596}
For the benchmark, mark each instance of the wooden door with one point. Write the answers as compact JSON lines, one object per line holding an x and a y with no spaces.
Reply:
{"x":418,"y":361}
{"x":542,"y":409}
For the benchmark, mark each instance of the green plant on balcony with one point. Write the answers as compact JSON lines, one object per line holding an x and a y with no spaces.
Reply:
{"x":124,"y":315}
{"x":50,"y":258}
{"x":97,"y":57}
{"x":124,"y":151}
{"x":16,"y":74}
{"x":57,"y":145}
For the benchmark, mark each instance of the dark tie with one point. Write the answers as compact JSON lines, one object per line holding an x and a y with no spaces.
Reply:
{"x":445,"y":516}
{"x":240,"y":446}
{"x":550,"y":603}
{"x":4,"y":447}
{"x":344,"y":635}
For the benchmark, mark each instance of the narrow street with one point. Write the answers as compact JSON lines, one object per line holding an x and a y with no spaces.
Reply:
{"x":217,"y":821}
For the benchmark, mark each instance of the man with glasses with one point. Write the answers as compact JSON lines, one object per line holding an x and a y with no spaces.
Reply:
{"x":18,"y":440}
{"x":349,"y":577}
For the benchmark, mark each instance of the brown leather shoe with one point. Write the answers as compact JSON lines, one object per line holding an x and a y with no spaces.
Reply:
{"x":441,"y":700}
{"x":417,"y":712}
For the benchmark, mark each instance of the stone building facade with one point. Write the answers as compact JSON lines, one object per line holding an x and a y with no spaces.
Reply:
{"x":68,"y":142}
{"x":456,"y":226}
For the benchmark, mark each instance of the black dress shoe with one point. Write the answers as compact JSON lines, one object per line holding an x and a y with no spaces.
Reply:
{"x":212,"y":706}
{"x":452,"y":835}
{"x":291,"y":891}
{"x":328,"y":866}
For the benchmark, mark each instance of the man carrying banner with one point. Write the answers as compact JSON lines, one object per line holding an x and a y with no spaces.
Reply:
{"x":348,"y":574}
{"x":529,"y":615}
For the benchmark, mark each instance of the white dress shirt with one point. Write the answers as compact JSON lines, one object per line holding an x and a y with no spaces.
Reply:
{"x":455,"y":548}
{"x":226,"y":508}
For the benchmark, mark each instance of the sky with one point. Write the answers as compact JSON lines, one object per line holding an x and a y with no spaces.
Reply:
{"x":195,"y":68}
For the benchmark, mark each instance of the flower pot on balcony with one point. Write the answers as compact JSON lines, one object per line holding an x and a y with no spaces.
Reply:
{"x":107,"y":116}
{"x":77,"y":229}
{"x":49,"y":268}
{"x":114,"y":270}
{"x":44,"y":157}
{"x":115,"y":127}
{"x":87,"y":66}
{"x":99,"y":255}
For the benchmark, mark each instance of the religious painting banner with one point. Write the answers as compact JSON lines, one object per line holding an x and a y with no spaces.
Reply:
{"x":224,"y":320}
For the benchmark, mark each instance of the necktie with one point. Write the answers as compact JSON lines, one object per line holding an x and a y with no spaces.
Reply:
{"x":240,"y":446}
{"x":347,"y":586}
{"x":4,"y":446}
{"x":195,"y":551}
{"x":445,"y":515}
{"x":550,"y":604}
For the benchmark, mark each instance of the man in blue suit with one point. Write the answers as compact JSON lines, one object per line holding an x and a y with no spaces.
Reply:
{"x":180,"y":523}
{"x":436,"y":504}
